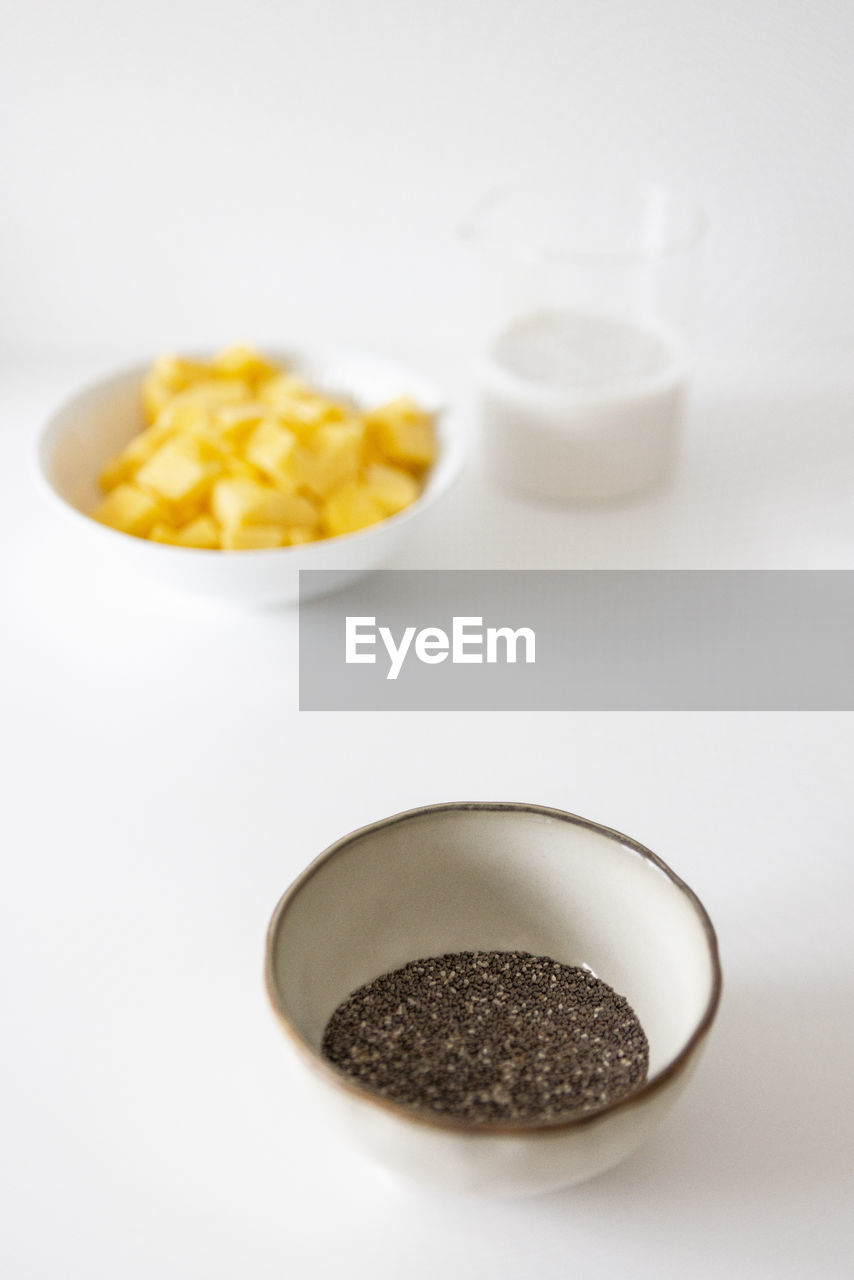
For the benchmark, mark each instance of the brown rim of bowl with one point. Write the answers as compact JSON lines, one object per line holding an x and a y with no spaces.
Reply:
{"x":640,"y":1095}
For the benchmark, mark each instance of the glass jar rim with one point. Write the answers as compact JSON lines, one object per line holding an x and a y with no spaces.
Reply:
{"x":479,"y":226}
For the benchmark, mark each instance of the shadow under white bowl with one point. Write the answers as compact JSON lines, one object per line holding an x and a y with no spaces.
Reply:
{"x":494,"y":876}
{"x":97,"y":423}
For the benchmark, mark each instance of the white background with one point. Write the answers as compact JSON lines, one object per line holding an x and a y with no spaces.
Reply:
{"x":181,"y":173}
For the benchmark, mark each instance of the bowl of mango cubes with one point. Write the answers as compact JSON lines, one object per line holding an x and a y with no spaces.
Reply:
{"x":226,"y":475}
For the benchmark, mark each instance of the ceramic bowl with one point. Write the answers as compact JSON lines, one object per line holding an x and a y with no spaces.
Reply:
{"x":484,"y":876}
{"x":99,"y":421}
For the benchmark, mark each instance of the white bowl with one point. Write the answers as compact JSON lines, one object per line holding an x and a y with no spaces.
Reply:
{"x":482,"y":876}
{"x":99,"y":421}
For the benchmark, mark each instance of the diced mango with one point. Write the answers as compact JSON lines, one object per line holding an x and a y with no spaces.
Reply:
{"x":184,"y":415}
{"x":236,"y":422}
{"x":333,"y":457}
{"x":392,"y":487}
{"x":180,"y":475}
{"x":236,"y":502}
{"x":209,"y":393}
{"x":117,"y":471}
{"x":298,"y":536}
{"x":271,"y":448}
{"x":177,"y":372}
{"x":155,"y":397}
{"x":282,"y":388}
{"x":233,"y":500}
{"x":350,"y":508}
{"x":239,"y":467}
{"x":403,"y":409}
{"x":168,"y":376}
{"x":163,"y":532}
{"x":403,"y":432}
{"x":254,"y":537}
{"x":202,"y":533}
{"x":242,"y":362}
{"x":299,"y":408}
{"x":129,"y":510}
{"x":242,"y":454}
{"x":128,"y":462}
{"x":304,"y":416}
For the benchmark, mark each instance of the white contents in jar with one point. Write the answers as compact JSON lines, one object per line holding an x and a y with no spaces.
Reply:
{"x":581,"y":405}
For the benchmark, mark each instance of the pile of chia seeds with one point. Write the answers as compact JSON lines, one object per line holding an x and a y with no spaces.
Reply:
{"x":490,"y":1037}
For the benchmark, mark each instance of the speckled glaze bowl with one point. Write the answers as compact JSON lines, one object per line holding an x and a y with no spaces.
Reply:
{"x":493,"y":876}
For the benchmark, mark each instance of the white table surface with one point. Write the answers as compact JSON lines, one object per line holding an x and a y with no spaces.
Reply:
{"x":162,"y":790}
{"x":160,"y":787}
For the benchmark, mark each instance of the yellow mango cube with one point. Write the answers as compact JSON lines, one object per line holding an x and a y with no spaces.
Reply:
{"x":254,"y":537}
{"x":117,"y":471}
{"x":282,"y":389}
{"x":202,"y":533}
{"x":304,"y":412}
{"x":209,"y":393}
{"x":303,"y":417}
{"x":130,"y":510}
{"x":177,"y":372}
{"x":240,"y":468}
{"x":185,"y":416}
{"x":237,"y":501}
{"x":163,"y":532}
{"x":271,"y":448}
{"x":180,"y":473}
{"x":168,"y":376}
{"x":403,"y":409}
{"x":298,"y":536}
{"x":404,"y":433}
{"x":127,"y":463}
{"x":350,"y":508}
{"x":236,"y":422}
{"x":392,"y":487}
{"x":155,"y":397}
{"x":241,"y":361}
{"x":332,"y":458}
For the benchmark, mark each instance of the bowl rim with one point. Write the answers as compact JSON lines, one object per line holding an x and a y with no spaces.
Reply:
{"x":633,"y":1100}
{"x":437,"y":481}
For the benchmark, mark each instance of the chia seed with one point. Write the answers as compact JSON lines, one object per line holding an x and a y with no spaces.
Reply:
{"x":490,"y":1037}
